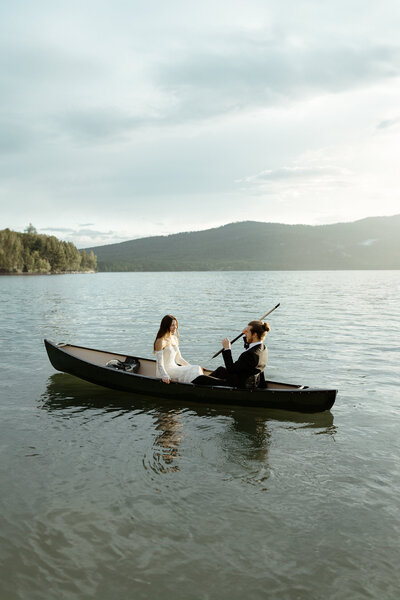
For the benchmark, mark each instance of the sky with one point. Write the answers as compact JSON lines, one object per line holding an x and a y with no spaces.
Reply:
{"x":123,"y":119}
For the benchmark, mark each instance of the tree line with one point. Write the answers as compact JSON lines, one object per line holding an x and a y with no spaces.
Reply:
{"x":176,"y":265}
{"x":30,"y":252}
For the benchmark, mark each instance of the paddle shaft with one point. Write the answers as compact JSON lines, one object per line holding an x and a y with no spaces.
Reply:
{"x":240,"y":334}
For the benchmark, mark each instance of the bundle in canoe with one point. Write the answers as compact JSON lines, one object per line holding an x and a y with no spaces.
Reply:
{"x":140,"y":378}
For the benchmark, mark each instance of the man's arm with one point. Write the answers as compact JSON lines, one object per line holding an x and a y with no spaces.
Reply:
{"x":245,"y":364}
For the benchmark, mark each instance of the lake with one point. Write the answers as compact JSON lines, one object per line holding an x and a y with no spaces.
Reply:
{"x":106,"y":495}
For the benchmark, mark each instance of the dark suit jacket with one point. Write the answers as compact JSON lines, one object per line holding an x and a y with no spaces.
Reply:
{"x":248,"y":370}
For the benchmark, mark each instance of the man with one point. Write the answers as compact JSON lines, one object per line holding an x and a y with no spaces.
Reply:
{"x":248,"y":370}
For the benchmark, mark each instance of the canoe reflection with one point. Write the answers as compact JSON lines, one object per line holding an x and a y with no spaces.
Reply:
{"x":65,"y":391}
{"x":245,"y":434}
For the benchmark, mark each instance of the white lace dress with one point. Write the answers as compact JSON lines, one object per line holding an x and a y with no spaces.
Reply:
{"x":167,"y":365}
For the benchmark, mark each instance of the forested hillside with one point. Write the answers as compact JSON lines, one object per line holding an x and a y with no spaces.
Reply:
{"x":372,"y":243}
{"x":31,"y":252}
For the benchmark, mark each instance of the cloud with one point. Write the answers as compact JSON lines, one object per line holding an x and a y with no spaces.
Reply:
{"x":42,"y":61}
{"x":217,"y":77}
{"x":243,"y":72}
{"x":57,"y":229}
{"x":291,"y":179}
{"x":297,"y":173}
{"x":79,"y":232}
{"x":388,"y":123}
{"x":87,"y":237}
{"x":95,"y":124}
{"x":368,"y":242}
{"x":15,"y":135}
{"x":39,"y":75}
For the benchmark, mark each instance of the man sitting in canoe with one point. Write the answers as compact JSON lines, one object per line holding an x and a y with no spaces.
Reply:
{"x":248,"y":370}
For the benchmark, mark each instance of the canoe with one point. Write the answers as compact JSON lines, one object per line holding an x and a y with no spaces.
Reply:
{"x":140,"y":378}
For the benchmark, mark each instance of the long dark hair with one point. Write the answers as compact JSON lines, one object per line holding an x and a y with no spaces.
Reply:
{"x":165,"y":327}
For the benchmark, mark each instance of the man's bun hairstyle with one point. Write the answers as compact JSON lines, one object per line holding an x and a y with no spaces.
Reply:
{"x":261,"y":328}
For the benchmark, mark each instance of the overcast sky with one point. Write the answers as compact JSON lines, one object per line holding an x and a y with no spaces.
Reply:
{"x":122,"y":119}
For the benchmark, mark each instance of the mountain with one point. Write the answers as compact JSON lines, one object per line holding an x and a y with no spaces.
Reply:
{"x":371,"y":243}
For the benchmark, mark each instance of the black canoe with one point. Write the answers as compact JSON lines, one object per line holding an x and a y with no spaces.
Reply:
{"x":91,"y":365}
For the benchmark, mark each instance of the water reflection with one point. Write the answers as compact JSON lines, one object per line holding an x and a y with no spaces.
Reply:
{"x":243,"y":434}
{"x":65,"y":391}
{"x":166,"y":443}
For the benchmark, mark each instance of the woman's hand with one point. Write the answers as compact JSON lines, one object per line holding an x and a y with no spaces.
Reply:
{"x":166,"y":379}
{"x":226,"y":344}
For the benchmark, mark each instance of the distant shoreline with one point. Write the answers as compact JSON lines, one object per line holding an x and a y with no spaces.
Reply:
{"x":56,"y":273}
{"x":200,"y":271}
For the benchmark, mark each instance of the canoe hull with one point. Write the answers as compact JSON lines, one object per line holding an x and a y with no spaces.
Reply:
{"x":277,"y":395}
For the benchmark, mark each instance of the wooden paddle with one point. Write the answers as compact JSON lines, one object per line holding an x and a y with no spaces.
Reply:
{"x":240,"y":334}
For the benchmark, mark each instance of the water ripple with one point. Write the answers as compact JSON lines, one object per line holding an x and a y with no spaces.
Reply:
{"x":107,"y":494}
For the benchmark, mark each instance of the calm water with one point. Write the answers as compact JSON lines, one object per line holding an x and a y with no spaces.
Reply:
{"x":106,"y":495}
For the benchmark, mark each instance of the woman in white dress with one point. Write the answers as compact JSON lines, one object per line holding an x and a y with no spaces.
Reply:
{"x":170,"y":364}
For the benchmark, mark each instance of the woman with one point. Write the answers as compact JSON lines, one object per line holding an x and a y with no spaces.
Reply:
{"x":170,"y":364}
